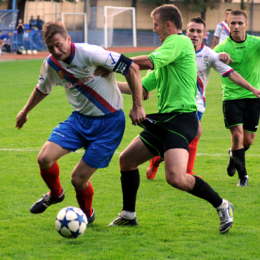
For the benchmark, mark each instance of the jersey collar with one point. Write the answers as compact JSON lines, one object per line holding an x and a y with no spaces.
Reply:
{"x":235,"y":41}
{"x":201,"y":48}
{"x":72,"y":52}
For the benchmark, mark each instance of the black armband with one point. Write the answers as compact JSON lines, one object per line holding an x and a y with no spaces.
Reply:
{"x":123,"y":65}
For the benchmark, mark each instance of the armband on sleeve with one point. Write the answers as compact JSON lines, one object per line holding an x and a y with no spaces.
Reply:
{"x":123,"y":65}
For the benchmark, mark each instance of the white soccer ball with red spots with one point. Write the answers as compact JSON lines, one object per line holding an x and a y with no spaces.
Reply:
{"x":71,"y":222}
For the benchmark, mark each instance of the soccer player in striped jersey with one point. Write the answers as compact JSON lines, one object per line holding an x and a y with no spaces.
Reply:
{"x":206,"y":58}
{"x":241,"y":107}
{"x":222,"y":30}
{"x":97,"y":122}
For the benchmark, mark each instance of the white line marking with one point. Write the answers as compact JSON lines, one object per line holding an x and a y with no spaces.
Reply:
{"x":34,"y":150}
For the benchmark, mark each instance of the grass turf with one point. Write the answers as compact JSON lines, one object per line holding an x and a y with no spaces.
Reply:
{"x":172,"y":224}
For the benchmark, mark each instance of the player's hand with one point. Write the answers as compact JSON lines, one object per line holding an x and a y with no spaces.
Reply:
{"x":257,"y":92}
{"x":137,"y":115}
{"x":21,"y":118}
{"x":146,"y":95}
{"x":102,"y":72}
{"x":225,"y":57}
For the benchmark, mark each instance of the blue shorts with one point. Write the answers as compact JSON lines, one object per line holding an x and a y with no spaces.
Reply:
{"x":98,"y":135}
{"x":199,"y":115}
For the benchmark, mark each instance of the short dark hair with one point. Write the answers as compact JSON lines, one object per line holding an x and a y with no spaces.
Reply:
{"x":51,"y":28}
{"x":228,"y":10}
{"x":198,"y":19}
{"x":238,"y":12}
{"x":170,"y":13}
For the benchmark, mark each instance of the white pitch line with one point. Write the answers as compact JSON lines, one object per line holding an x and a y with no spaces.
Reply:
{"x":32,"y":150}
{"x":80,"y":151}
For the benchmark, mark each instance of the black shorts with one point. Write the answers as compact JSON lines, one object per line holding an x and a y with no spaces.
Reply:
{"x":168,"y":131}
{"x":242,"y":112}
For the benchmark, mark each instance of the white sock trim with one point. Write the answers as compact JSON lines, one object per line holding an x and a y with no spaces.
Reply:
{"x":128,"y":215}
{"x":224,"y":204}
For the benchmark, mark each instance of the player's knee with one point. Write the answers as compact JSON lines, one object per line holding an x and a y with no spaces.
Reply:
{"x":248,"y":141}
{"x":124,"y":162}
{"x":237,"y":137}
{"x":77,"y":182}
{"x":44,"y":161}
{"x":174,"y":181}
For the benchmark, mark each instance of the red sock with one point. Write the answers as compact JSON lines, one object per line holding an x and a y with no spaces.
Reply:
{"x":192,"y":155}
{"x":52,"y":179}
{"x":85,"y":198}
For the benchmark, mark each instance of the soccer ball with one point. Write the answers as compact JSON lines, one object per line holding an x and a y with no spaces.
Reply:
{"x":71,"y":222}
{"x":34,"y":52}
{"x":29,"y":52}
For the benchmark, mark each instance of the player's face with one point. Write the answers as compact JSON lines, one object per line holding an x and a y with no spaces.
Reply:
{"x":238,"y":25}
{"x":59,"y":47}
{"x":227,"y":14}
{"x":196,"y":32}
{"x":160,"y":28}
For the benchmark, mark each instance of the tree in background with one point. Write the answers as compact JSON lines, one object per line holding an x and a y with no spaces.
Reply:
{"x":201,"y":6}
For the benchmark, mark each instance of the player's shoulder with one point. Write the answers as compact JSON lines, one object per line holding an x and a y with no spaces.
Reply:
{"x":177,"y":38}
{"x":208,"y":53}
{"x":252,"y":39}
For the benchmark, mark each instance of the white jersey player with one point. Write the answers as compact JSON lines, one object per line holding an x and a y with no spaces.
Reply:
{"x":222,"y":30}
{"x":97,"y":122}
{"x":89,"y":95}
{"x":207,"y":58}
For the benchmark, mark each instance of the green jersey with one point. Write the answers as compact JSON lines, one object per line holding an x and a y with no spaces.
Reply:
{"x":246,"y":57}
{"x":174,"y":75}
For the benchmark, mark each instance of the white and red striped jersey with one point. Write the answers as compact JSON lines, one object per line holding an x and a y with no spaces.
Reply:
{"x":222,"y":31}
{"x":207,"y":58}
{"x":88,"y":94}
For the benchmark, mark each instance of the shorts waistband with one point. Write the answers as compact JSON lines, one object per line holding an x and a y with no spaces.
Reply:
{"x":111,"y":115}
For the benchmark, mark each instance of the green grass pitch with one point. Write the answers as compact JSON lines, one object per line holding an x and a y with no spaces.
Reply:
{"x":172,"y":224}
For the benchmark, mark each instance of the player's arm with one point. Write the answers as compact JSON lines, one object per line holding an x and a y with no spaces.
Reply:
{"x":125,"y":89}
{"x":143,"y":62}
{"x":240,"y":81}
{"x":35,"y":98}
{"x":215,"y":41}
{"x":133,"y":79}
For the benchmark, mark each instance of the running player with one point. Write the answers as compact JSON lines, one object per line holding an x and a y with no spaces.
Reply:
{"x":97,"y":122}
{"x":240,"y":107}
{"x":206,"y":58}
{"x":169,"y":132}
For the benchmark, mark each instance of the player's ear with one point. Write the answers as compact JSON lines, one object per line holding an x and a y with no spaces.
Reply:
{"x":168,"y":24}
